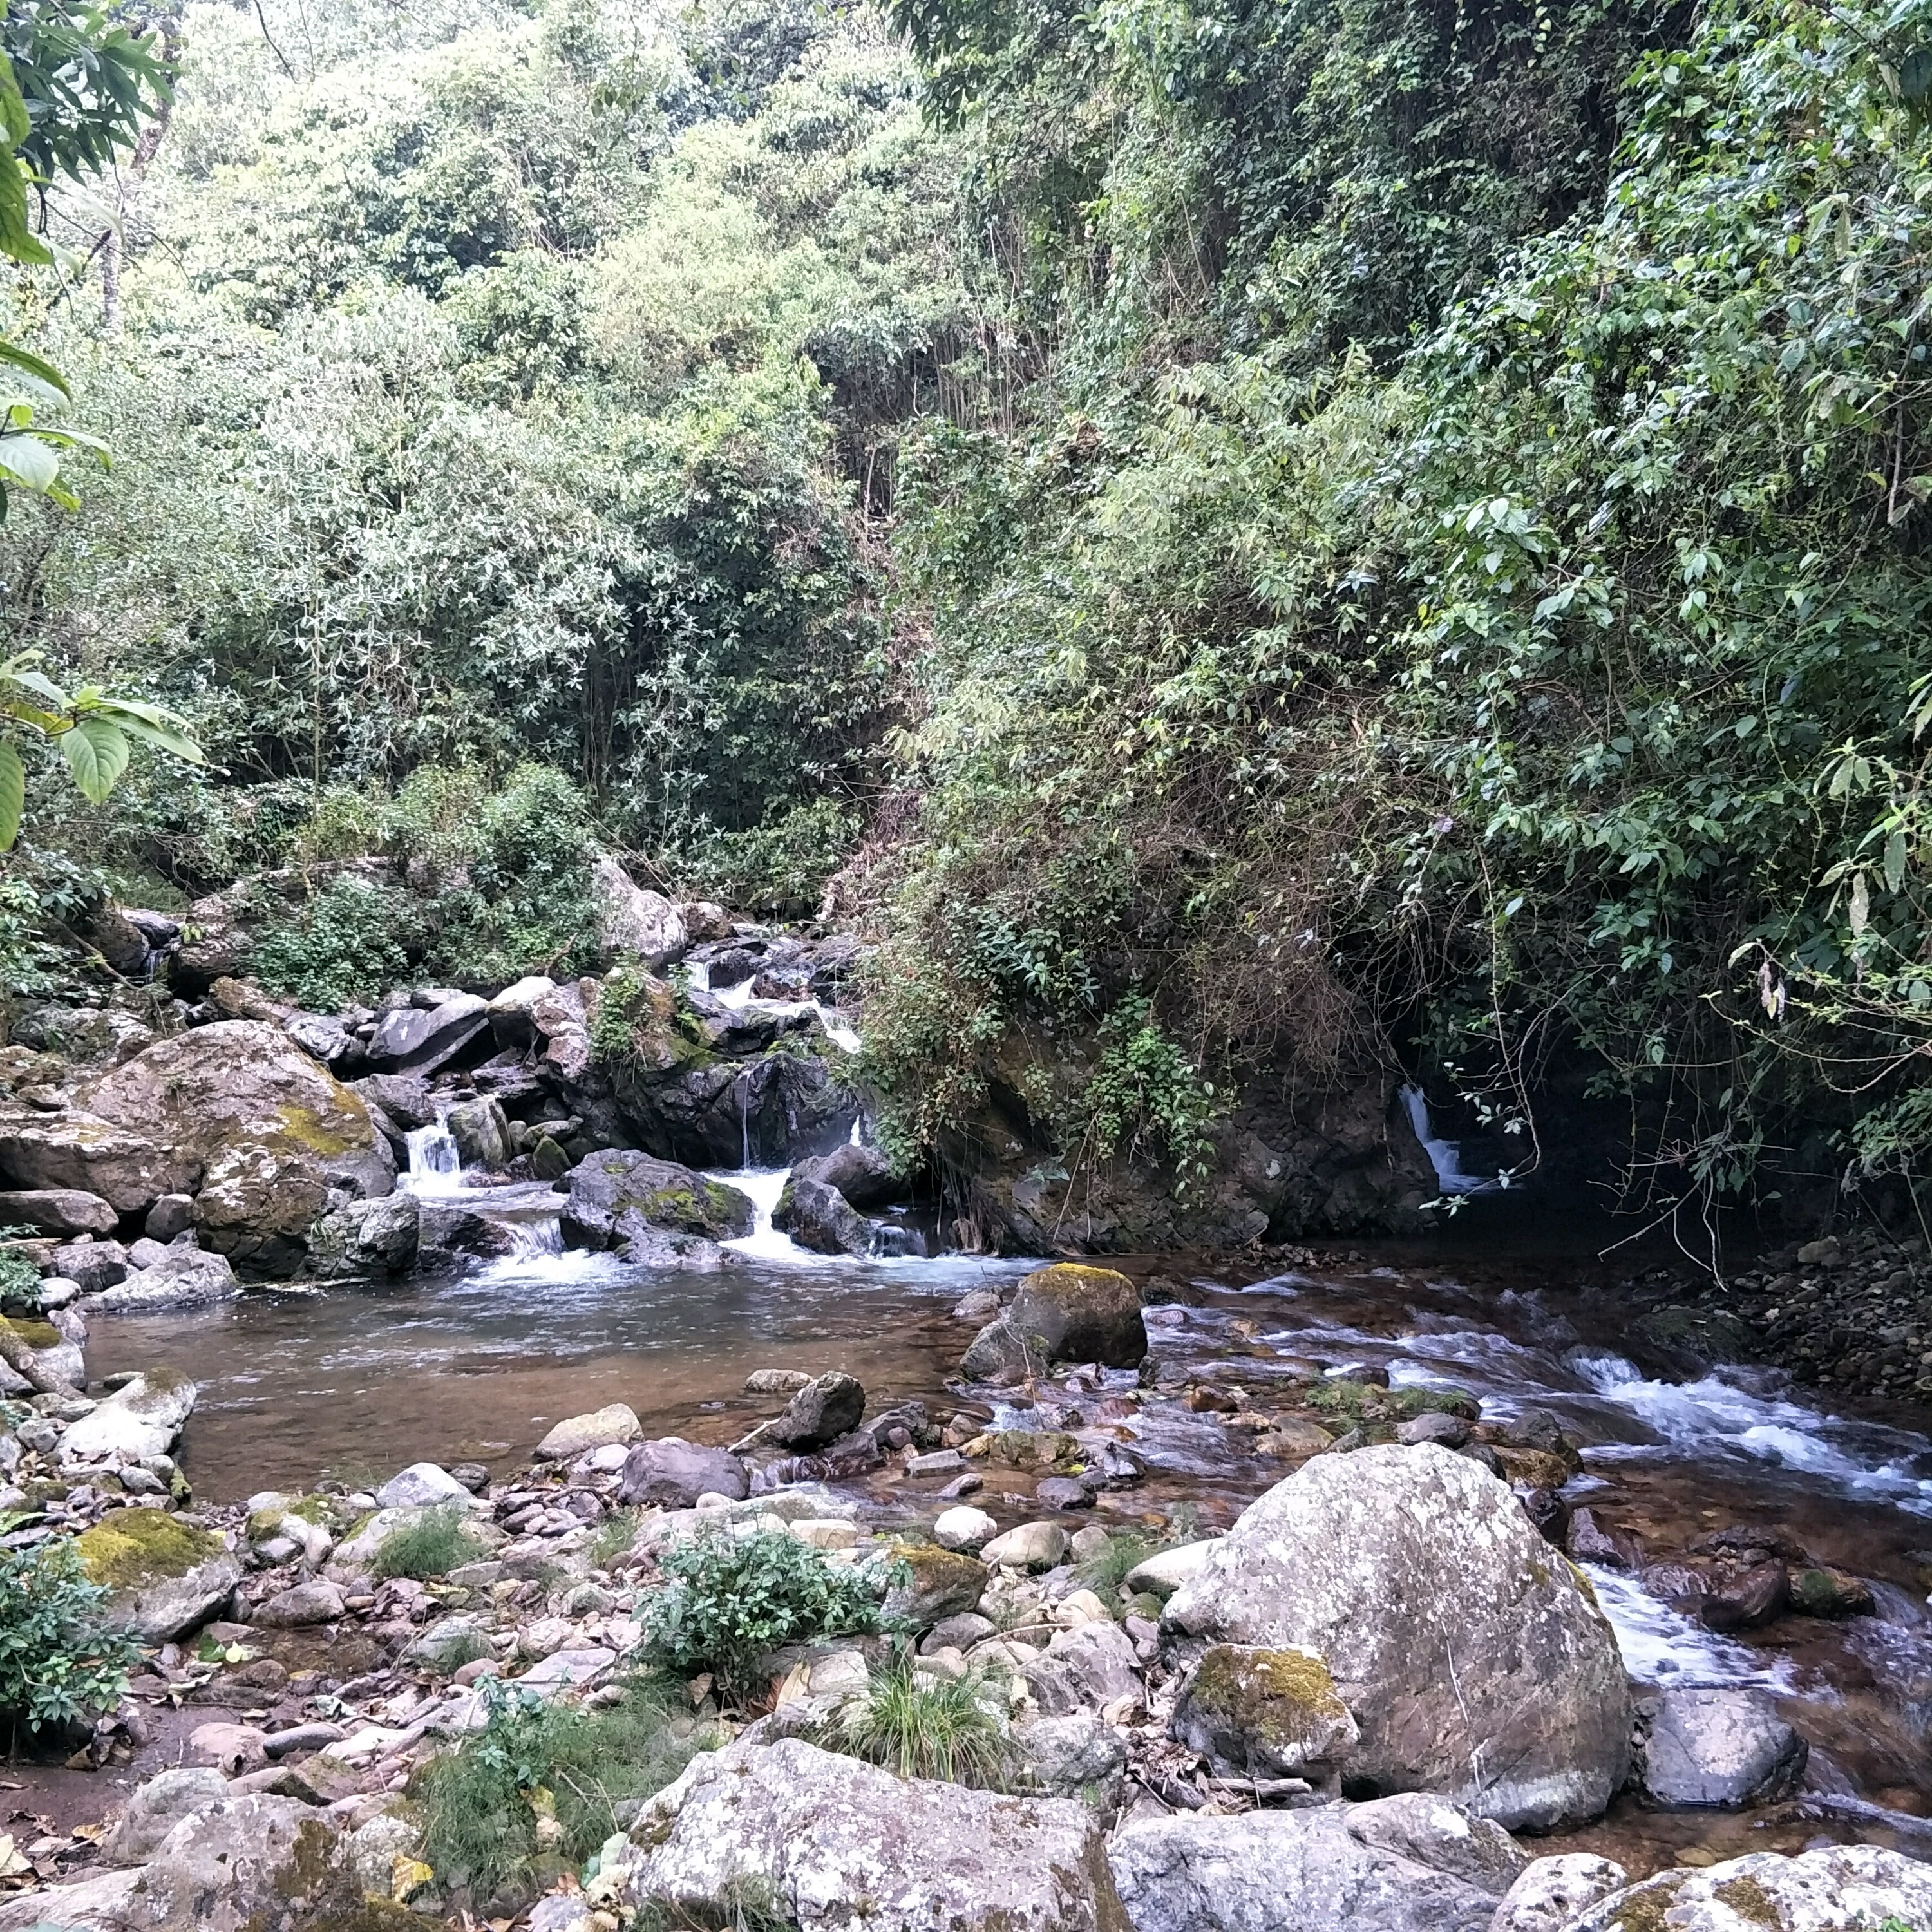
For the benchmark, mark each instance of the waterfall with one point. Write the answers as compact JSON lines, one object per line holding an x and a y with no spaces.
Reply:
{"x":1444,"y":1155}
{"x":765,"y":1243}
{"x":436,"y":1163}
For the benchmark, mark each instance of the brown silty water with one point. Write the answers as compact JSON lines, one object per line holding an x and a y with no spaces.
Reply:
{"x":355,"y":1382}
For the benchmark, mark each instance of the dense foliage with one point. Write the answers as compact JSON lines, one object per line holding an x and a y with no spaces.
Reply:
{"x":60,"y":1663}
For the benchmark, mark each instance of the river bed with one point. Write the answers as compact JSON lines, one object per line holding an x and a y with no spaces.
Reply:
{"x":355,"y":1382}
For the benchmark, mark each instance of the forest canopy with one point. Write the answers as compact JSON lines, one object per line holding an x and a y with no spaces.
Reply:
{"x":1320,"y":533}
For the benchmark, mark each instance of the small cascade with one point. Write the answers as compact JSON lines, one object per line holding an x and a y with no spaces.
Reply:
{"x":1444,"y":1155}
{"x":765,"y":1243}
{"x":436,"y":1161}
{"x":739,"y":998}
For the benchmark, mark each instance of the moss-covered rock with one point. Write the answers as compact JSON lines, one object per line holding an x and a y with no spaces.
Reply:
{"x":1072,"y":1312}
{"x":1257,"y":1712}
{"x":167,"y":1577}
{"x":937,"y":1583}
{"x":618,"y":1182}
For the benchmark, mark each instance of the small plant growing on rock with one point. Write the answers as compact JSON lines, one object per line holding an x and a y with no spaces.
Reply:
{"x":539,"y":1786}
{"x":437,"y":1544}
{"x":732,"y":1601}
{"x":59,"y":1663}
{"x":921,"y":1726}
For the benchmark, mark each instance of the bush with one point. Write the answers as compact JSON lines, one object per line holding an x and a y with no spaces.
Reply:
{"x":924,"y":1727}
{"x":342,"y":947}
{"x":437,"y":1543}
{"x":781,"y":867}
{"x":19,"y":1284}
{"x":539,"y":1786}
{"x":59,"y":1664}
{"x":731,"y":1600}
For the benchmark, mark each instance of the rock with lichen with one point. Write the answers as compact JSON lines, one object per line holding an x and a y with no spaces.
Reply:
{"x":167,"y":1578}
{"x":1253,"y":1712}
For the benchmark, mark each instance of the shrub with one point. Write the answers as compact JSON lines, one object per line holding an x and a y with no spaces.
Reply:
{"x":59,"y":1664}
{"x":730,"y":1600}
{"x":19,"y":1284}
{"x":780,"y":867}
{"x":341,"y":946}
{"x":437,"y":1543}
{"x":541,"y":1784}
{"x":923,"y":1726}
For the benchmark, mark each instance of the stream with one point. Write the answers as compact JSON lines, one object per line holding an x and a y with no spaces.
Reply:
{"x":354,"y":1382}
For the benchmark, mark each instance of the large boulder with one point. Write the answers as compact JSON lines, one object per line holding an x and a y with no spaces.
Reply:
{"x":166,"y":1577}
{"x":839,"y":1846}
{"x":380,"y":1236}
{"x":58,"y":1211}
{"x":1550,"y":1893}
{"x":673,"y":1474}
{"x":1720,"y":1747}
{"x":819,"y":1217}
{"x":828,"y":1407}
{"x":1472,"y":1658}
{"x":1072,"y":1313}
{"x":140,"y":1420}
{"x":1318,"y":1870}
{"x":416,"y":1040}
{"x":1832,"y":1890}
{"x":156,"y":1807}
{"x":862,"y":1174}
{"x":81,"y":1153}
{"x":512,"y":1021}
{"x":766,"y":1112}
{"x":481,"y":1132}
{"x":633,"y":921}
{"x":617,"y":1193}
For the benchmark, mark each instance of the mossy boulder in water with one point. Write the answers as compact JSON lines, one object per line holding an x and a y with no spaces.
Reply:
{"x":620,"y":1184}
{"x":168,"y":1578}
{"x":1070,"y":1313}
{"x":1254,"y":1712}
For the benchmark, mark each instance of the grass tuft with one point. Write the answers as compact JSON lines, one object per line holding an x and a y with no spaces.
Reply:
{"x":439,"y":1542}
{"x":920,"y":1726}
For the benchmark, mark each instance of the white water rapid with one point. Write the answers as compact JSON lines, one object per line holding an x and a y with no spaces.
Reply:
{"x":1445,"y":1156}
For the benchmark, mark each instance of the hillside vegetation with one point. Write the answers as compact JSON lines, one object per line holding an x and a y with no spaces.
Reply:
{"x":1257,"y":541}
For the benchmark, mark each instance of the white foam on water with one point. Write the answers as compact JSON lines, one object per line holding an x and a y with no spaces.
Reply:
{"x":436,"y":1163}
{"x":765,"y":1243}
{"x":1662,"y":1646}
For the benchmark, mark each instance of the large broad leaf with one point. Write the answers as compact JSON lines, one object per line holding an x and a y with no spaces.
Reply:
{"x":12,"y":794}
{"x":28,"y":461}
{"x":97,"y":753}
{"x":38,"y":683}
{"x":12,"y":354}
{"x":156,"y":726}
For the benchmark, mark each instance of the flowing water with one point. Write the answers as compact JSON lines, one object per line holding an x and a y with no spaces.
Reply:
{"x":356,"y":1382}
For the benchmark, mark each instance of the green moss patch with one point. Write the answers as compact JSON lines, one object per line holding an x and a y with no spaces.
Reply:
{"x":31,"y":1333}
{"x":133,"y":1546}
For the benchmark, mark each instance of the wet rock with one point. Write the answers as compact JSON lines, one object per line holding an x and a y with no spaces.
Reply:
{"x":828,"y":1407}
{"x":1073,"y":1313}
{"x":1744,"y":1598}
{"x":999,"y":1354}
{"x":1825,"y":1592}
{"x":616,"y":1423}
{"x":1450,"y":1631}
{"x":405,"y":1097}
{"x":963,"y":1528}
{"x":672,"y":1474}
{"x":140,"y":1420}
{"x":1088,"y":1668}
{"x":1552,"y":1892}
{"x":939,"y":1583}
{"x":383,"y":1236}
{"x":612,"y":1189}
{"x":411,"y":1041}
{"x":1078,"y":1756}
{"x":775,"y":1381}
{"x":421,"y":1485}
{"x":1282,"y":1871}
{"x":257,"y":1205}
{"x":862,"y":1174}
{"x":58,"y":1211}
{"x":1824,"y":1890}
{"x":1721,"y":1748}
{"x":80,"y":1152}
{"x":1549,"y":1511}
{"x":841,"y":1846}
{"x":166,"y":1578}
{"x":982,"y":1306}
{"x":819,"y":1217}
{"x":1258,"y":1713}
{"x":1451,"y":1432}
{"x":156,"y":1807}
{"x":937,"y":1462}
{"x":1033,"y":1545}
{"x":481,"y":1132}
{"x":1590,"y":1540}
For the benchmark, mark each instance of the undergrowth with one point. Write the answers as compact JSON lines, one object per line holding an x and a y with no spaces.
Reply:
{"x":437,"y":1543}
{"x":918,"y":1725}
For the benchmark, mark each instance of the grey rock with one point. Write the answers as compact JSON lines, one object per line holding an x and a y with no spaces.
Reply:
{"x":316,"y":1601}
{"x":819,"y":1217}
{"x":844,"y":1846}
{"x":405,"y":1098}
{"x":1074,"y":1312}
{"x":616,"y":1187}
{"x":1451,"y":1431}
{"x":1086,"y":1668}
{"x":1032,"y":1546}
{"x":156,"y":1807}
{"x":957,"y":1632}
{"x":828,"y":1407}
{"x":1282,"y":1871}
{"x":164,"y":1608}
{"x":421,"y":1485}
{"x":481,"y":1132}
{"x":411,"y":1041}
{"x":91,"y":1265}
{"x":383,"y":1236}
{"x":1721,"y":1747}
{"x":1259,"y":1713}
{"x":999,"y":1354}
{"x":1550,"y":1893}
{"x":511,"y":1019}
{"x":58,"y":1210}
{"x":862,"y":1174}
{"x":672,"y":1474}
{"x":172,"y":1214}
{"x":137,"y":1422}
{"x":1432,"y":1832}
{"x":1826,"y":1891}
{"x":1077,"y":1756}
{"x":179,"y":1278}
{"x":633,"y":919}
{"x":1063,"y":1492}
{"x":1474,"y":1664}
{"x":146,"y":1252}
{"x":320,"y":1036}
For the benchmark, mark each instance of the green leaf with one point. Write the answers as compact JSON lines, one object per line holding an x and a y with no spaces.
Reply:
{"x":27,"y":460}
{"x":157,"y":727}
{"x":97,"y":753}
{"x":15,"y":357}
{"x":13,"y":794}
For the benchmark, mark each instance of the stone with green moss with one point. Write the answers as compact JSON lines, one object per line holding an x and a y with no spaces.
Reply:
{"x":933,"y":1583}
{"x":167,"y":1577}
{"x":1072,"y":1312}
{"x":1265,"y":1713}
